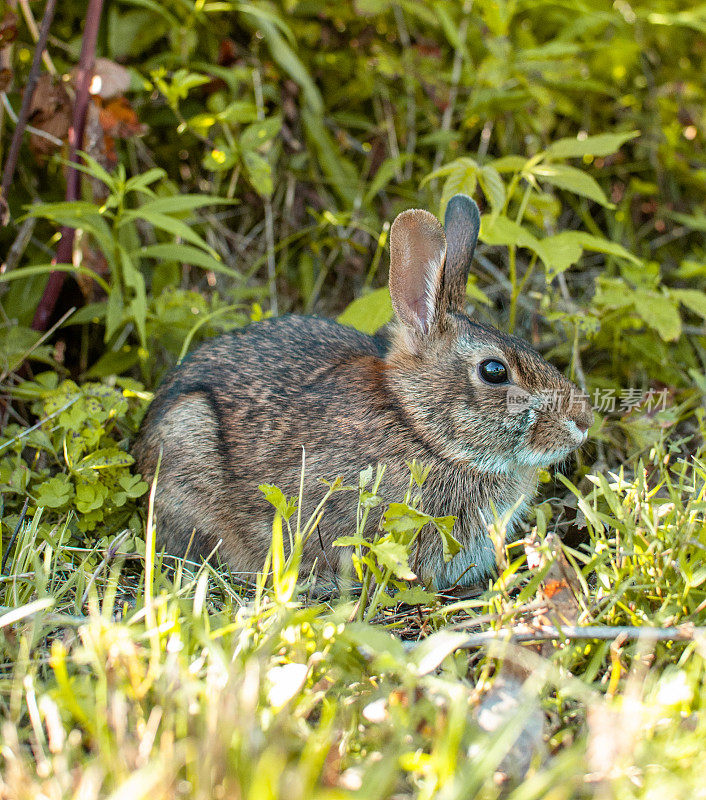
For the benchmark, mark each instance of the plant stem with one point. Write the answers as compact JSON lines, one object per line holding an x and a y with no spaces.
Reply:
{"x":64,"y":251}
{"x":16,"y":143}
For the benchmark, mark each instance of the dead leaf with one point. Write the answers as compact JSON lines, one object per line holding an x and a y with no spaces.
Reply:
{"x":109,"y":79}
{"x":49,"y":111}
{"x":8,"y":29}
{"x":118,"y":118}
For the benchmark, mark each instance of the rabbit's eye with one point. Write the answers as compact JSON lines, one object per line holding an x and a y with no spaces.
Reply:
{"x":492,"y":371}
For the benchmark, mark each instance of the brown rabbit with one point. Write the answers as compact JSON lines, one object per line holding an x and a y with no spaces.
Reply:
{"x":458,"y":396}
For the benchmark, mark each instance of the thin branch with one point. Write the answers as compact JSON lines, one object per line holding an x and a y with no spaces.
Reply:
{"x":64,"y":251}
{"x":16,"y":143}
{"x":607,"y":633}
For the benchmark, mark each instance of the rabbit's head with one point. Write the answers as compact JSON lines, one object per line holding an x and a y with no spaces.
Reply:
{"x":474,"y":395}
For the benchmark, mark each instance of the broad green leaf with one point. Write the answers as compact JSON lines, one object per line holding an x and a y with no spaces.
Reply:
{"x":573,"y":180}
{"x":401,"y":518}
{"x":600,"y":245}
{"x":560,"y":252}
{"x":260,"y":133}
{"x":393,"y":555}
{"x":493,"y":187}
{"x":182,"y":203}
{"x":564,"y":249}
{"x":104,"y":458}
{"x":369,"y":312}
{"x":504,"y":231}
{"x":259,"y":172}
{"x":444,"y":527}
{"x":692,"y":299}
{"x":604,"y":144}
{"x":169,"y":224}
{"x":659,"y":312}
{"x":510,"y":163}
{"x":186,"y":254}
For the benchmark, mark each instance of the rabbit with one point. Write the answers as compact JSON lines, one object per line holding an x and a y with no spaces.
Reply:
{"x":459,"y":396}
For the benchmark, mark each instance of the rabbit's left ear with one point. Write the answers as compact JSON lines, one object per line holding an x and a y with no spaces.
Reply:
{"x":417,"y":255}
{"x":462,"y":223}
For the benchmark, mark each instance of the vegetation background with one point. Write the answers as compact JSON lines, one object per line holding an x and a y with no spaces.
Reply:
{"x":246,"y":158}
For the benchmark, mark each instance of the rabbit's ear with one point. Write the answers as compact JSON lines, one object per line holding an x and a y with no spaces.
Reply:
{"x":417,"y":254}
{"x":462,"y":223}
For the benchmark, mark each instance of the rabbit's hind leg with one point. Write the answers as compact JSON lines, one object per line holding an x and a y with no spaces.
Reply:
{"x":190,"y":479}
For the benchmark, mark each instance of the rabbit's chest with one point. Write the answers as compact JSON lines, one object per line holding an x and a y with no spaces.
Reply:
{"x":477,"y":501}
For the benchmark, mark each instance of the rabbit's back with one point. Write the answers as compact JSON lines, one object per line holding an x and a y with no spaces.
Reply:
{"x":238,"y":412}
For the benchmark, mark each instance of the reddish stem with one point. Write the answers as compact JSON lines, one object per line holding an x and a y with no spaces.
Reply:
{"x":64,"y":250}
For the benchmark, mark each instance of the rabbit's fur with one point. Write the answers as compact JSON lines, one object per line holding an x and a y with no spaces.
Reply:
{"x":239,"y":410}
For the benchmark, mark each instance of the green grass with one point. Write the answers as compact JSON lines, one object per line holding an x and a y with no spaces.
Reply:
{"x":126,"y":676}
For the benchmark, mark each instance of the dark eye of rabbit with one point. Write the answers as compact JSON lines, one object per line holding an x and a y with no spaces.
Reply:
{"x":493,"y":371}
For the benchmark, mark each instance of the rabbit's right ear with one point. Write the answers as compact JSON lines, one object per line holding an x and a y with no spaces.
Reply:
{"x":462,"y":224}
{"x":417,"y":256}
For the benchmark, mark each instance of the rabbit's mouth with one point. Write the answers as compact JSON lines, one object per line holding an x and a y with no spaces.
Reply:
{"x":548,"y":457}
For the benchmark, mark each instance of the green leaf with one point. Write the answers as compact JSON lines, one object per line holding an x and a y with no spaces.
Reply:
{"x":289,"y":61}
{"x":56,"y":492}
{"x":393,"y":555}
{"x":140,"y":182}
{"x":659,"y":312}
{"x":444,"y":527}
{"x":562,"y":250}
{"x":185,"y":254}
{"x":260,"y":133}
{"x":401,"y":518}
{"x":387,"y":171}
{"x":184,"y":203}
{"x":169,"y":224}
{"x":504,"y":231}
{"x":573,"y":180}
{"x":276,"y":497}
{"x":493,"y":187}
{"x":369,"y":312}
{"x":600,"y":245}
{"x":105,"y":458}
{"x":604,"y":144}
{"x":692,"y":299}
{"x":259,"y":172}
{"x":341,"y":173}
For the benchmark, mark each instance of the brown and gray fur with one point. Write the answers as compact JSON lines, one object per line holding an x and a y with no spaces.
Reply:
{"x":238,"y":412}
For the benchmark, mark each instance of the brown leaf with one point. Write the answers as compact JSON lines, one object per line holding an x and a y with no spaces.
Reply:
{"x":109,"y":79}
{"x":5,"y":79}
{"x":118,"y":118}
{"x":49,"y":111}
{"x":8,"y":29}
